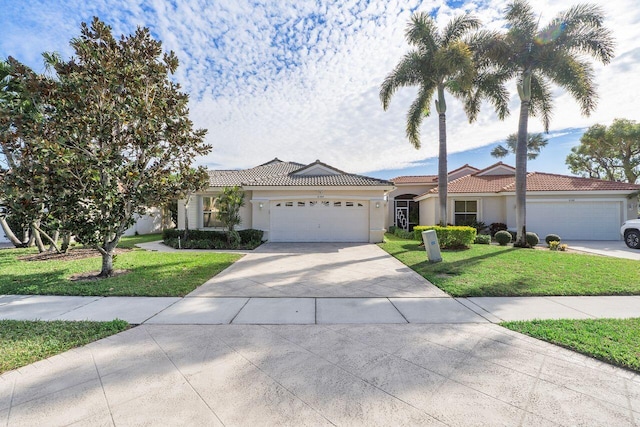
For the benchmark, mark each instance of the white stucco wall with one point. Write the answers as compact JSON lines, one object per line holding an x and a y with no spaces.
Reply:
{"x":146,"y":224}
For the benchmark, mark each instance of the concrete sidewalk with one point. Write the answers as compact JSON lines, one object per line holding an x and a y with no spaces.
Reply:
{"x":283,"y":311}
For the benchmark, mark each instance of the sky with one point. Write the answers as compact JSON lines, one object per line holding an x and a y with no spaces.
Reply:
{"x":299,"y":80}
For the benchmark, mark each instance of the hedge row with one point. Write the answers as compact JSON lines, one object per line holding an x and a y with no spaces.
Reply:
{"x":248,"y":236}
{"x":452,"y":237}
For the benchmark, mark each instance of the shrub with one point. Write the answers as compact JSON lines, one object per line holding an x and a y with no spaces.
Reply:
{"x":503,"y":237}
{"x":563,"y":247}
{"x":250,"y":236}
{"x":532,"y":238}
{"x":392,"y":229}
{"x":553,"y":245}
{"x":403,"y":234}
{"x":482,"y":239}
{"x":478,"y":225}
{"x":453,"y":237}
{"x":495,"y":227}
{"x":552,"y":238}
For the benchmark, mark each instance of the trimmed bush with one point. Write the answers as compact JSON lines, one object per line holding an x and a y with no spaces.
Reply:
{"x":392,"y":229}
{"x":552,"y":238}
{"x":403,"y":234}
{"x":453,"y":237}
{"x":532,"y":238}
{"x":482,"y":239}
{"x":503,"y":237}
{"x":212,"y":239}
{"x":495,"y":227}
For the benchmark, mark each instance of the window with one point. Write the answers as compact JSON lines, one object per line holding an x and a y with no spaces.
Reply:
{"x":465,"y":212}
{"x":289,"y":204}
{"x":301,"y":204}
{"x":210,"y":212}
{"x":349,"y":204}
{"x":337,"y":204}
{"x":312,"y":203}
{"x":325,"y":203}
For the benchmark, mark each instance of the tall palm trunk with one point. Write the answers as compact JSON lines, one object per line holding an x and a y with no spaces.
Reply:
{"x":441,"y":107}
{"x":524,"y":90}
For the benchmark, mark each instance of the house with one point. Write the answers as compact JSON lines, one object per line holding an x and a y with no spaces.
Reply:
{"x":572,"y":207}
{"x":293,"y":202}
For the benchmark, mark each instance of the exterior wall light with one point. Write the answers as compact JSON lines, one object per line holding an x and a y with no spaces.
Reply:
{"x":377,"y":204}
{"x":260,"y":205}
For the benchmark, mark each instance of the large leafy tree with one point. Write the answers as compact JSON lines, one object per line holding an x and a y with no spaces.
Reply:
{"x":539,"y":56}
{"x":535,"y":143}
{"x":439,"y":62}
{"x":120,"y":132}
{"x":611,"y":153}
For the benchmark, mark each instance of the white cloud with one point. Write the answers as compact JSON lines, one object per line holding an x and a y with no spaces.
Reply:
{"x":299,"y":80}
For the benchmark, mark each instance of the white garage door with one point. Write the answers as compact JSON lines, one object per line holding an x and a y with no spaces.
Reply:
{"x":575,"y":220}
{"x":319,"y":221}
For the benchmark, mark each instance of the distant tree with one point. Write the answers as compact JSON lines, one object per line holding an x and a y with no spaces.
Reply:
{"x":229,"y":204}
{"x":120,"y":132}
{"x":190,"y":180}
{"x":535,"y":143}
{"x":537,"y":57}
{"x":611,"y":153}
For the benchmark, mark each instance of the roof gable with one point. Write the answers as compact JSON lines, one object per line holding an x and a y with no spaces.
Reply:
{"x":318,"y":168}
{"x":464,"y":170}
{"x":497,"y":169}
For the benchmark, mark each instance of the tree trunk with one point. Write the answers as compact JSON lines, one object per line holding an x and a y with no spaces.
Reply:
{"x":66,"y":241}
{"x":443,"y":176}
{"x":9,"y":233}
{"x":186,"y":217}
{"x":521,"y":176}
{"x":107,"y":264}
{"x":37,"y":238}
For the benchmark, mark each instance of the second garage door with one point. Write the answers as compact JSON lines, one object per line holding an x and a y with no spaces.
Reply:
{"x":319,"y":221}
{"x":588,"y":220}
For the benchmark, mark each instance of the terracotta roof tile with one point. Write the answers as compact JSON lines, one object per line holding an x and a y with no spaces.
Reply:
{"x":279,"y":173}
{"x":536,"y":181}
{"x":415,"y":179}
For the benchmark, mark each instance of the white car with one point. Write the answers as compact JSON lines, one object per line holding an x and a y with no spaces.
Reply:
{"x":631,"y":232}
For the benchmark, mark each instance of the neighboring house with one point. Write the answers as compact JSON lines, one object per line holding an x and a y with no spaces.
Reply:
{"x":572,"y":207}
{"x":293,"y":202}
{"x":151,"y":222}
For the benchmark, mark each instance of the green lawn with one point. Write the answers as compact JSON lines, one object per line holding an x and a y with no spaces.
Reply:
{"x":615,"y":341}
{"x":151,"y":273}
{"x":129,"y":242}
{"x":490,"y":270}
{"x":25,"y":342}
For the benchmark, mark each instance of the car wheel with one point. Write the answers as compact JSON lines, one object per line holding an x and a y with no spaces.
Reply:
{"x":632,"y":239}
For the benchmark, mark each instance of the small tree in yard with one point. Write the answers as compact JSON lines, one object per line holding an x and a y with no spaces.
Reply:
{"x":120,"y":132}
{"x":229,"y":204}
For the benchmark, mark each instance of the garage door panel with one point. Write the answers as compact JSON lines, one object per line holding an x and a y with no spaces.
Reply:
{"x":579,"y":220}
{"x":319,"y":221}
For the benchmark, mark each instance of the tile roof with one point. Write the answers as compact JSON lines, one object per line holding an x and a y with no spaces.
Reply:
{"x":280,"y":173}
{"x":415,"y":179}
{"x":536,"y":181}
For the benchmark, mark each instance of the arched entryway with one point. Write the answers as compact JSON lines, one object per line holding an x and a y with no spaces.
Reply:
{"x":406,"y":212}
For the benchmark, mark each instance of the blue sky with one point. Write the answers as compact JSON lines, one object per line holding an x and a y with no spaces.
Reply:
{"x":299,"y":80}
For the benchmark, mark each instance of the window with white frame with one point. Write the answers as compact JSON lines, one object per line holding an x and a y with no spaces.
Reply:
{"x":465,"y":212}
{"x":210,"y":212}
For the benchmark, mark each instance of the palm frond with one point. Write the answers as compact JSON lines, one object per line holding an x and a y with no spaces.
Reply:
{"x":577,"y":77}
{"x":541,"y":105}
{"x":520,"y":18}
{"x":406,"y":73}
{"x":422,"y":32}
{"x":418,"y":110}
{"x":458,"y":27}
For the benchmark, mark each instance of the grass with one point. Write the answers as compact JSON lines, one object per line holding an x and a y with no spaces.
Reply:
{"x":25,"y":342}
{"x":616,"y":341}
{"x":129,"y":242}
{"x":150,"y":273}
{"x":490,"y":270}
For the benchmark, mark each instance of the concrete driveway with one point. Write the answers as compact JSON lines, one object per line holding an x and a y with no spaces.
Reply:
{"x":611,"y":248}
{"x":321,"y":270}
{"x":247,"y":375}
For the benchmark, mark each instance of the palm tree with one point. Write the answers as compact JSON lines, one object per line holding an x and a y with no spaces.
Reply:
{"x":538,"y":56}
{"x":535,"y":143}
{"x":438,"y":61}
